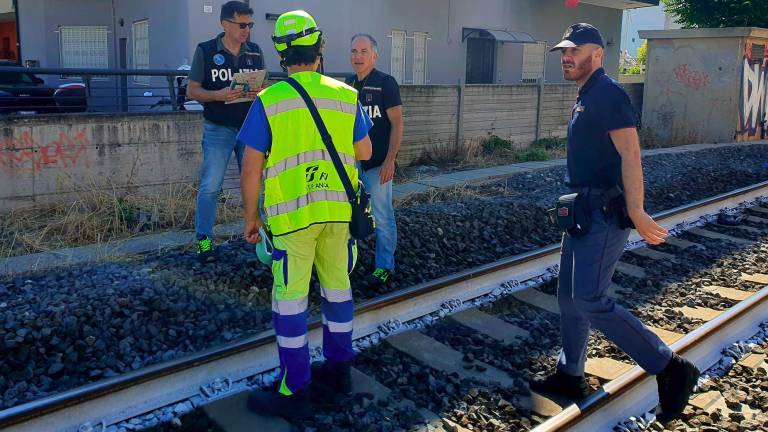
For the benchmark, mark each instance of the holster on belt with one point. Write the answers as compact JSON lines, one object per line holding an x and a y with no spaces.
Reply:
{"x":614,"y":205}
{"x":572,"y":214}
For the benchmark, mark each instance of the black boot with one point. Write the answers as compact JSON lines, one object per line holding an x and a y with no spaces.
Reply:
{"x":334,"y":376}
{"x":296,"y":407}
{"x":676,"y":383}
{"x":562,"y":384}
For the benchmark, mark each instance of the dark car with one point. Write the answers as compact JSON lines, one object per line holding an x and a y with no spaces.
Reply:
{"x":24,"y":93}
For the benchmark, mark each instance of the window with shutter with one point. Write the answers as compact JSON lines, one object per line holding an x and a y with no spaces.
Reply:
{"x":84,"y":47}
{"x":397,"y":60}
{"x":420,"y":58}
{"x":141,"y":50}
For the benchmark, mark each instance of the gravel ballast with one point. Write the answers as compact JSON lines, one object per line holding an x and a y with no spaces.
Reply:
{"x":62,"y":329}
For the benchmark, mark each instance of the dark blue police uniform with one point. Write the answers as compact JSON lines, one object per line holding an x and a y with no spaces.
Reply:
{"x":587,"y":262}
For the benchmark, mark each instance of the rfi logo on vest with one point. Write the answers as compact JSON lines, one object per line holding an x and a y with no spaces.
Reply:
{"x":322,"y":180}
{"x":218,"y":59}
{"x":373,"y":111}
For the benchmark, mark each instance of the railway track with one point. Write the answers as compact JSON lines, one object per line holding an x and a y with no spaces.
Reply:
{"x":211,"y":377}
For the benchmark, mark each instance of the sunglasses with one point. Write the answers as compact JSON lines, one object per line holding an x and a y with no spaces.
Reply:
{"x":241,"y":25}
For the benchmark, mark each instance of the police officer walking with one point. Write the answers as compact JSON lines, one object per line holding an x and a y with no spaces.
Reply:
{"x":307,"y":211}
{"x":604,"y":155}
{"x":210,"y":76}
{"x":379,"y":95}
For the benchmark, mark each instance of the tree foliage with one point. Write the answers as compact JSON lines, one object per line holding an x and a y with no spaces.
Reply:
{"x":642,"y":53}
{"x":718,"y":13}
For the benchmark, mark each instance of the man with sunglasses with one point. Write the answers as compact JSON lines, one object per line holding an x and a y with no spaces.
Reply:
{"x":214,"y":64}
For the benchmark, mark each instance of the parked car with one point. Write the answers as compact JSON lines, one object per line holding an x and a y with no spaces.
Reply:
{"x":25,"y":93}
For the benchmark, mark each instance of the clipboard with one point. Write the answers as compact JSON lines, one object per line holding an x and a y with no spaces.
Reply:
{"x":247,"y":81}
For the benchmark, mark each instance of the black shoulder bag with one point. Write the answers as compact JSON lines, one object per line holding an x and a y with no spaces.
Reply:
{"x":362,"y":224}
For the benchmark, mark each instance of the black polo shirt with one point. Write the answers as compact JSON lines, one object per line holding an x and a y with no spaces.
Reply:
{"x":377,"y":93}
{"x":213,"y":66}
{"x":602,"y":106}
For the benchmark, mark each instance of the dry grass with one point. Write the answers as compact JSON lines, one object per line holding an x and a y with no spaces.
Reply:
{"x":98,"y":213}
{"x":461,"y":192}
{"x":480,"y":152}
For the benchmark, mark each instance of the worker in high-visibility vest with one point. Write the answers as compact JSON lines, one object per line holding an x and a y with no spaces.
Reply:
{"x":307,"y":212}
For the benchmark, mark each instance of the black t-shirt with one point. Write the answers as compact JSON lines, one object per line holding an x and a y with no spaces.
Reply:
{"x":377,"y":93}
{"x":602,"y":106}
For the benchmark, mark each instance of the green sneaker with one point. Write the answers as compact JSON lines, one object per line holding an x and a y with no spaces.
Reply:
{"x":205,"y":250}
{"x":380,"y":276}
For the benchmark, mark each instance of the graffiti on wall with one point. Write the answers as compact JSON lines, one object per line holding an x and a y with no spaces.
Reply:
{"x":690,"y":77}
{"x":24,"y":154}
{"x":753,"y":112}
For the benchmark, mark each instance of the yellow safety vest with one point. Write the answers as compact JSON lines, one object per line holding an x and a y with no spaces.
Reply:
{"x":301,"y":185}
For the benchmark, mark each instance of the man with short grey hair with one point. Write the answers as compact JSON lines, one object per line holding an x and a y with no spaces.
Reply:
{"x":379,"y":94}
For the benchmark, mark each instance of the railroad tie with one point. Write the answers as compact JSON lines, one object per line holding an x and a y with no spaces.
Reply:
{"x":757,"y":278}
{"x":538,"y":299}
{"x":653,"y":254}
{"x":630,"y":270}
{"x":442,"y":357}
{"x":666,"y":336}
{"x":758,"y":209}
{"x":704,"y":314}
{"x":606,"y":369}
{"x":491,"y":326}
{"x":757,"y":220}
{"x":233,"y":415}
{"x":717,"y":236}
{"x":728,"y":293}
{"x":682,"y":244}
{"x":362,"y":383}
{"x":745,"y":228}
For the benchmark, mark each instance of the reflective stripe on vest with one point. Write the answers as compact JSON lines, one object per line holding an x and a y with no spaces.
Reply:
{"x":302,"y":158}
{"x":305,"y":200}
{"x":321,"y":103}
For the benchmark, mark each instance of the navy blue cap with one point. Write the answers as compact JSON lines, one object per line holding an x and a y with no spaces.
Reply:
{"x":580,"y":34}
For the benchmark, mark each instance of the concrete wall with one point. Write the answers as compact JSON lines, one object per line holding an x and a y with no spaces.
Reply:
{"x":695,"y":85}
{"x":44,"y":158}
{"x":177,"y":26}
{"x":430,"y":114}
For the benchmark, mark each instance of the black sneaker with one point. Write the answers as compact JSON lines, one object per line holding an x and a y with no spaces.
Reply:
{"x":562,"y":384}
{"x":335,"y":376}
{"x":296,"y":407}
{"x":676,"y":383}
{"x":205,"y":250}
{"x":380,"y":276}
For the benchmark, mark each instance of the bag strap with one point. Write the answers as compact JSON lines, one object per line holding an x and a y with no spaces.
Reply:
{"x":327,"y":140}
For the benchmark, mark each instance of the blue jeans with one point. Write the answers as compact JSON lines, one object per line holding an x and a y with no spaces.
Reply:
{"x":586,"y":267}
{"x":384,"y":215}
{"x":218,"y":144}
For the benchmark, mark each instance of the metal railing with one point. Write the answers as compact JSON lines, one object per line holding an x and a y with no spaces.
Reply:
{"x":99,"y":90}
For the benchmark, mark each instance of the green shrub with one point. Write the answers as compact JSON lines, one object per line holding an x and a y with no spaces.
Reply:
{"x":493,"y":144}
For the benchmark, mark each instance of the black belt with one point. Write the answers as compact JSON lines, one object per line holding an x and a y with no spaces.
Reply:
{"x":590,"y":191}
